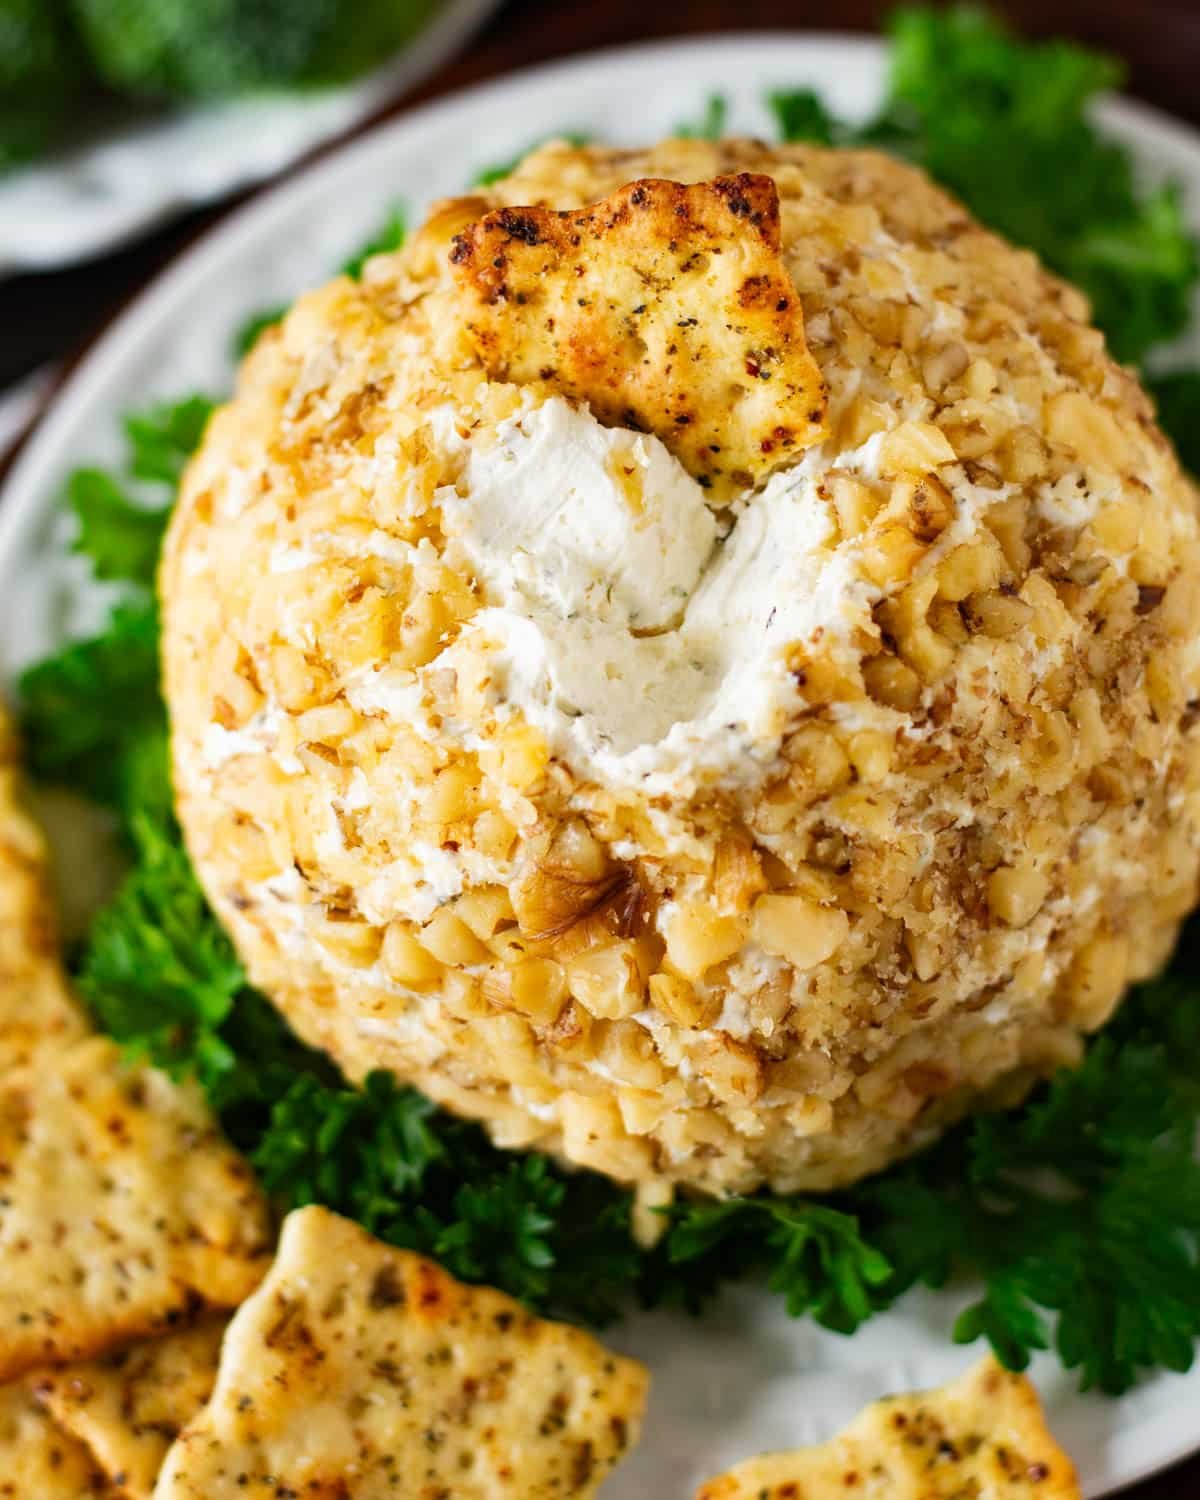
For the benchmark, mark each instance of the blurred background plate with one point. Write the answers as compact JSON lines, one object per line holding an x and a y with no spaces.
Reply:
{"x":98,"y":194}
{"x":745,"y":1378}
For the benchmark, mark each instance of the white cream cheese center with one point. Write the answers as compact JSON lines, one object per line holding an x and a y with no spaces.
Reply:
{"x":619,"y":619}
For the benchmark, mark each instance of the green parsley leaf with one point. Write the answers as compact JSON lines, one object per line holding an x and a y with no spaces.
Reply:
{"x":249,"y":332}
{"x":1080,"y":1213}
{"x":1004,"y":124}
{"x":711,"y":124}
{"x":487,"y":175}
{"x":121,"y":538}
{"x":156,"y":965}
{"x":389,"y":236}
{"x":802,"y":116}
{"x":1004,"y":1317}
{"x":249,"y":1065}
{"x":1139,"y":271}
{"x":92,"y":714}
{"x":163,"y":438}
{"x":1041,"y":87}
{"x":503,"y":1228}
{"x":120,"y":534}
{"x":416,"y":1177}
{"x":816,"y":1255}
{"x":358,"y":1150}
{"x":498,"y":170}
{"x":598,"y":1267}
{"x":1177,"y":397}
{"x":912,"y":1221}
{"x":822,"y":1266}
{"x":83,"y":708}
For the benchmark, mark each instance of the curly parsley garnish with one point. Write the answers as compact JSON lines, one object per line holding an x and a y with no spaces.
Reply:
{"x":1078,"y":1214}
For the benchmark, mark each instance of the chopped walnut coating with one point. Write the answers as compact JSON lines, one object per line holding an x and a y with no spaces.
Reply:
{"x":979,"y":823}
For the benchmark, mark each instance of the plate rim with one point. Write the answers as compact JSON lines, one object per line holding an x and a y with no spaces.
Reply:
{"x":24,"y":489}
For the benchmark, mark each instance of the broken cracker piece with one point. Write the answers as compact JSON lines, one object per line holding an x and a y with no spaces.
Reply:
{"x":129,"y":1406}
{"x":36,"y":1009}
{"x":122,"y":1209}
{"x":984,"y":1435}
{"x":359,"y":1366}
{"x":667,"y":308}
{"x":37,"y":1461}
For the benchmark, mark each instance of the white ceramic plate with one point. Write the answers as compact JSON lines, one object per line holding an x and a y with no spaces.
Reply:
{"x":746,"y":1378}
{"x":91,"y":197}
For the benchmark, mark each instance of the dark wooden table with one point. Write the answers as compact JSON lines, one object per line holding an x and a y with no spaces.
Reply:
{"x":55,"y":316}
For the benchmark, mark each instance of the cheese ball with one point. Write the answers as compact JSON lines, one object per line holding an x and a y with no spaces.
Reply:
{"x":704,"y":685}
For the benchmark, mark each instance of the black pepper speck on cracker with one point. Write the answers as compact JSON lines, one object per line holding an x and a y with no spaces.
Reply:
{"x":984,"y":1437}
{"x":36,"y":1010}
{"x":358,"y":1369}
{"x":128,"y":1406}
{"x":122,"y":1209}
{"x":37,"y":1460}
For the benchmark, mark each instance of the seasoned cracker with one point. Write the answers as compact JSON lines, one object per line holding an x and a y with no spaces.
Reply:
{"x":36,"y":1009}
{"x":121,"y":1209}
{"x":37,"y":1461}
{"x":359,"y":1365}
{"x":665,"y":307}
{"x":984,"y":1435}
{"x":128,"y":1407}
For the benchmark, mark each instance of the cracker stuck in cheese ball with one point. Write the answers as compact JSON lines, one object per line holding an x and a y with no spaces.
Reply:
{"x":692,"y":663}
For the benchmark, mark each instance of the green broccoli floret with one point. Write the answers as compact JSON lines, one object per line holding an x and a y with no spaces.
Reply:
{"x":209,"y":48}
{"x":39,"y":75}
